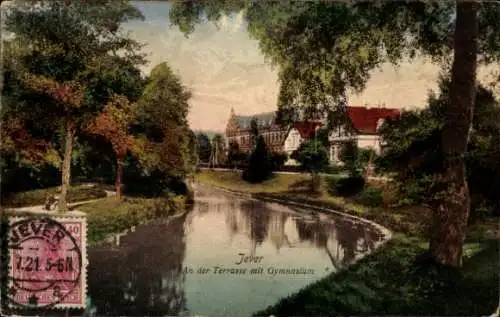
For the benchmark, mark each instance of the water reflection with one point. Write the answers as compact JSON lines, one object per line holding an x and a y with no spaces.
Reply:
{"x":144,"y":274}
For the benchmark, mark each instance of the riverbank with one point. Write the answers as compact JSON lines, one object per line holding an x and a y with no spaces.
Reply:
{"x":111,"y":216}
{"x":389,"y":281}
{"x":105,"y":214}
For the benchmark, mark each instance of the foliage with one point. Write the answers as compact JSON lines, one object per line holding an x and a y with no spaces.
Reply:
{"x":219,"y":148}
{"x":413,"y":151}
{"x":63,"y":66}
{"x":113,"y":124}
{"x":312,"y":156}
{"x":349,"y":155}
{"x":278,"y":160}
{"x":163,"y":147}
{"x":323,"y":49}
{"x":192,"y":148}
{"x":204,"y":147}
{"x":390,"y":282}
{"x":234,"y":154}
{"x":350,"y":186}
{"x":365,"y":156}
{"x":259,"y":165}
{"x":370,"y":197}
{"x":322,"y":136}
{"x":38,"y":196}
{"x":111,"y":216}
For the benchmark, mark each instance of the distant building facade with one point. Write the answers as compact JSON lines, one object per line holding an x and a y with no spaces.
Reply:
{"x":363,"y":128}
{"x":238,"y":130}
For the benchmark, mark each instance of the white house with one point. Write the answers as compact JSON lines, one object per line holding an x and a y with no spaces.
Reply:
{"x":363,"y":128}
{"x":298,"y":133}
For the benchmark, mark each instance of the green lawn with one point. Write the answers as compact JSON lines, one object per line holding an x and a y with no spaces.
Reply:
{"x":285,"y":186}
{"x":112,"y":216}
{"x":278,"y":184}
{"x":38,"y":196}
{"x":390,"y":281}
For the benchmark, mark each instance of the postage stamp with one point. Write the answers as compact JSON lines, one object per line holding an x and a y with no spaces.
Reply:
{"x":47,"y":262}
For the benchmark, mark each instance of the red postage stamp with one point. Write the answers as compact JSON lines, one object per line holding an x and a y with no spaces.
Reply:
{"x":47,"y":262}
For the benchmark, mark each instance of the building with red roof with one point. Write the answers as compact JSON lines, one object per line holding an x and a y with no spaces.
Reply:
{"x":363,"y":126}
{"x":298,"y":133}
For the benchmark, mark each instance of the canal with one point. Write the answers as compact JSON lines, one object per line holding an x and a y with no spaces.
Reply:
{"x":229,"y":256}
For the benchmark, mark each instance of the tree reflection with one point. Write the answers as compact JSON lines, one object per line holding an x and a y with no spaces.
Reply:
{"x":143,"y":276}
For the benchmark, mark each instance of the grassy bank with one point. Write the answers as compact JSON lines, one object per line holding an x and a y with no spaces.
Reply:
{"x":391,"y":280}
{"x":112,"y":216}
{"x":286,"y":186}
{"x":38,"y":196}
{"x":107,"y":215}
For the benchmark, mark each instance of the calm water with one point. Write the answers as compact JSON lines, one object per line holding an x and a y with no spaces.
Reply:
{"x":148,"y":272}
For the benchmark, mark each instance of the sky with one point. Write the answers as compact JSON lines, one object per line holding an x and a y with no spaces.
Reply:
{"x":224,"y":68}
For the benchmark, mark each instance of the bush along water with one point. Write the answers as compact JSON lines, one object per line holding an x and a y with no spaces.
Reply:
{"x":114,"y":217}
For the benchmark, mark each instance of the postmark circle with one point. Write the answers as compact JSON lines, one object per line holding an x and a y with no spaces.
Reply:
{"x":45,"y":263}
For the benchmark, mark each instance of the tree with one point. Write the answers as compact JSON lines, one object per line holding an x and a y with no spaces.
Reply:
{"x":234,"y":155}
{"x":218,"y":149}
{"x":324,"y":48}
{"x":259,"y":167}
{"x":452,"y":212}
{"x":204,"y":147}
{"x":349,"y":155}
{"x":113,"y":125}
{"x":161,"y":128}
{"x":62,"y":50}
{"x":313,"y":158}
{"x":278,"y":160}
{"x":414,"y":152}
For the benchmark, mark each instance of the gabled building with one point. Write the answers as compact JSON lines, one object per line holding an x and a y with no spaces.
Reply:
{"x":297,"y":134}
{"x":238,"y":130}
{"x":363,"y":127}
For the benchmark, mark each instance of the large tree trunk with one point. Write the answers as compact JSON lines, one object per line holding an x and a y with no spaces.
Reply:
{"x":118,"y":180}
{"x":453,"y":209}
{"x":66,"y":166}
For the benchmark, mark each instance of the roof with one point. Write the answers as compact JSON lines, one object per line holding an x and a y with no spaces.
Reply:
{"x":366,"y":120}
{"x":306,"y":129}
{"x":263,"y":120}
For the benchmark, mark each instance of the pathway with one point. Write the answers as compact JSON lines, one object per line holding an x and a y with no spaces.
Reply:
{"x":39,"y":209}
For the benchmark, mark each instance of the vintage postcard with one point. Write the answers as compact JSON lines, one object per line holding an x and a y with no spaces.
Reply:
{"x":250,"y":158}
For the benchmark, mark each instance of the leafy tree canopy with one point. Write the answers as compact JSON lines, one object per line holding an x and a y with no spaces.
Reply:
{"x":312,"y":156}
{"x":322,"y":49}
{"x":204,"y":147}
{"x":413,"y":150}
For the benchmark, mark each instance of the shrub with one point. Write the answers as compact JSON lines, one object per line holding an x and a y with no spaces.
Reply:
{"x":259,"y":167}
{"x":278,"y":160}
{"x":331,"y":184}
{"x":371,"y":197}
{"x":390,"y":195}
{"x":312,"y":156}
{"x":350,"y":186}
